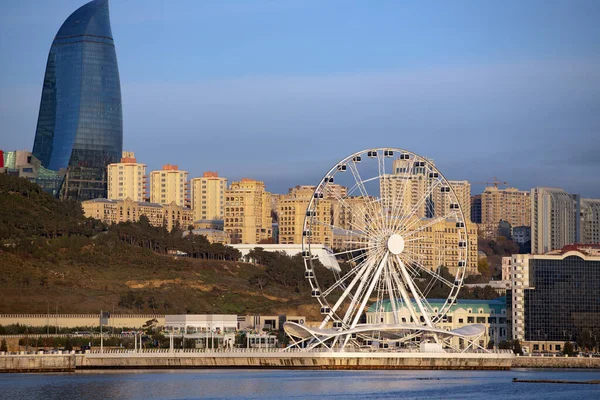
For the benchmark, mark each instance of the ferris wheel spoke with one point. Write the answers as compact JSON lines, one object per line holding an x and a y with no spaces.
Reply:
{"x":366,"y":275}
{"x":332,"y":227}
{"x":416,"y":295}
{"x":404,"y":293}
{"x":391,"y":292}
{"x":341,"y":281}
{"x":352,"y":251}
{"x":408,"y":231}
{"x":346,"y":292}
{"x":430,"y":272}
{"x":367,"y":294}
{"x":353,"y":210}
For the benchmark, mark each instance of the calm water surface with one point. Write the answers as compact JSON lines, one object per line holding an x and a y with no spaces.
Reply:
{"x":270,"y":384}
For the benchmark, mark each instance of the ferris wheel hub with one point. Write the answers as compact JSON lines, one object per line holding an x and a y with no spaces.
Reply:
{"x":395,"y":244}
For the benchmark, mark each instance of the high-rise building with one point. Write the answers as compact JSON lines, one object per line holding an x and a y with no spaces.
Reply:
{"x":510,"y":205}
{"x":554,"y":297}
{"x":127,"y":179}
{"x":169,"y":185}
{"x":410,"y":184}
{"x":80,"y":129}
{"x":292,"y":211}
{"x":555,"y":219}
{"x":590,"y":221}
{"x":248,"y":212}
{"x":462,"y":189}
{"x":208,"y":196}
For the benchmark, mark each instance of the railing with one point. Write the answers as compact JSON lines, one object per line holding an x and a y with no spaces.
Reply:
{"x":72,"y":316}
{"x":65,"y":335}
{"x":246,"y":351}
{"x":284,"y":350}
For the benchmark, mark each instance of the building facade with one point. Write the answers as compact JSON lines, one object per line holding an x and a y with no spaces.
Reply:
{"x":462,"y":190}
{"x":554,"y":297}
{"x":80,"y":129}
{"x":590,"y":221}
{"x":208,"y":196}
{"x":127,"y":179}
{"x":169,"y":185}
{"x":248,"y":212}
{"x":292,"y":211}
{"x":115,"y":211}
{"x":555,"y":219}
{"x":510,"y":205}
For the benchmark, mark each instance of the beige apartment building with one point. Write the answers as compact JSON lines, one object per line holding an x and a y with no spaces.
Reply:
{"x":462,"y":190}
{"x":208,"y":196}
{"x":127,"y":179}
{"x":510,"y":205}
{"x":438,"y":246}
{"x":247,"y":217}
{"x":115,"y":211}
{"x":292,"y":211}
{"x":169,"y":185}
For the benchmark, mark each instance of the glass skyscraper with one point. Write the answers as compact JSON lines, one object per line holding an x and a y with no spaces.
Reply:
{"x":80,"y":124}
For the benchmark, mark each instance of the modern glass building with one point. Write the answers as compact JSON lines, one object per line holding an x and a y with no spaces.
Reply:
{"x":80,"y":125}
{"x":555,"y":297}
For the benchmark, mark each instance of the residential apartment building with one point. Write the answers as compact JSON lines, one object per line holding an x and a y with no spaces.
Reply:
{"x":554,"y":297}
{"x":292,"y":211}
{"x":555,"y":219}
{"x":169,"y":185}
{"x":510,"y":205}
{"x":590,"y":221}
{"x":462,"y":190}
{"x":407,"y":184}
{"x":115,"y":211}
{"x":248,"y":212}
{"x":490,"y":313}
{"x":127,"y":179}
{"x":438,"y":246}
{"x":208,"y":196}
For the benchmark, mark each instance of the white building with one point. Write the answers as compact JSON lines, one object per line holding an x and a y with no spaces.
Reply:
{"x":194,"y":323}
{"x":324,"y":253}
{"x":554,"y":219}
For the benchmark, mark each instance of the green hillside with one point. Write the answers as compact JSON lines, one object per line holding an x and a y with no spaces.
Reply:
{"x":52,"y":254}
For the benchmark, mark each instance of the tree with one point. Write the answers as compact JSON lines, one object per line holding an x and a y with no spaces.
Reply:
{"x":490,"y":345}
{"x":568,"y":349}
{"x":516,"y":347}
{"x":483,"y":266}
{"x":68,"y":345}
{"x":3,"y":346}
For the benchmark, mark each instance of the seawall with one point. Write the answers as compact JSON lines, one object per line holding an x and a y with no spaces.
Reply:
{"x":273,"y":359}
{"x":276,"y":359}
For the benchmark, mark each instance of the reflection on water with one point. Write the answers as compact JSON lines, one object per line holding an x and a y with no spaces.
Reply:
{"x":276,"y":384}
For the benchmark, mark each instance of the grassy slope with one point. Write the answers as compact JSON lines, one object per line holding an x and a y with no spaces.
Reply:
{"x":58,"y":259}
{"x":86,"y":277}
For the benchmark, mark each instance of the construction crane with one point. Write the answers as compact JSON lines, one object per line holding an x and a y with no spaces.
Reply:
{"x":495,"y":182}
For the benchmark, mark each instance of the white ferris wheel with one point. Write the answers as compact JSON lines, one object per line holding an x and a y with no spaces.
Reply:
{"x":398,"y":231}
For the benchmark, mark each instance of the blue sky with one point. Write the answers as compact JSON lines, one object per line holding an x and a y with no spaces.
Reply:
{"x":280,"y":90}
